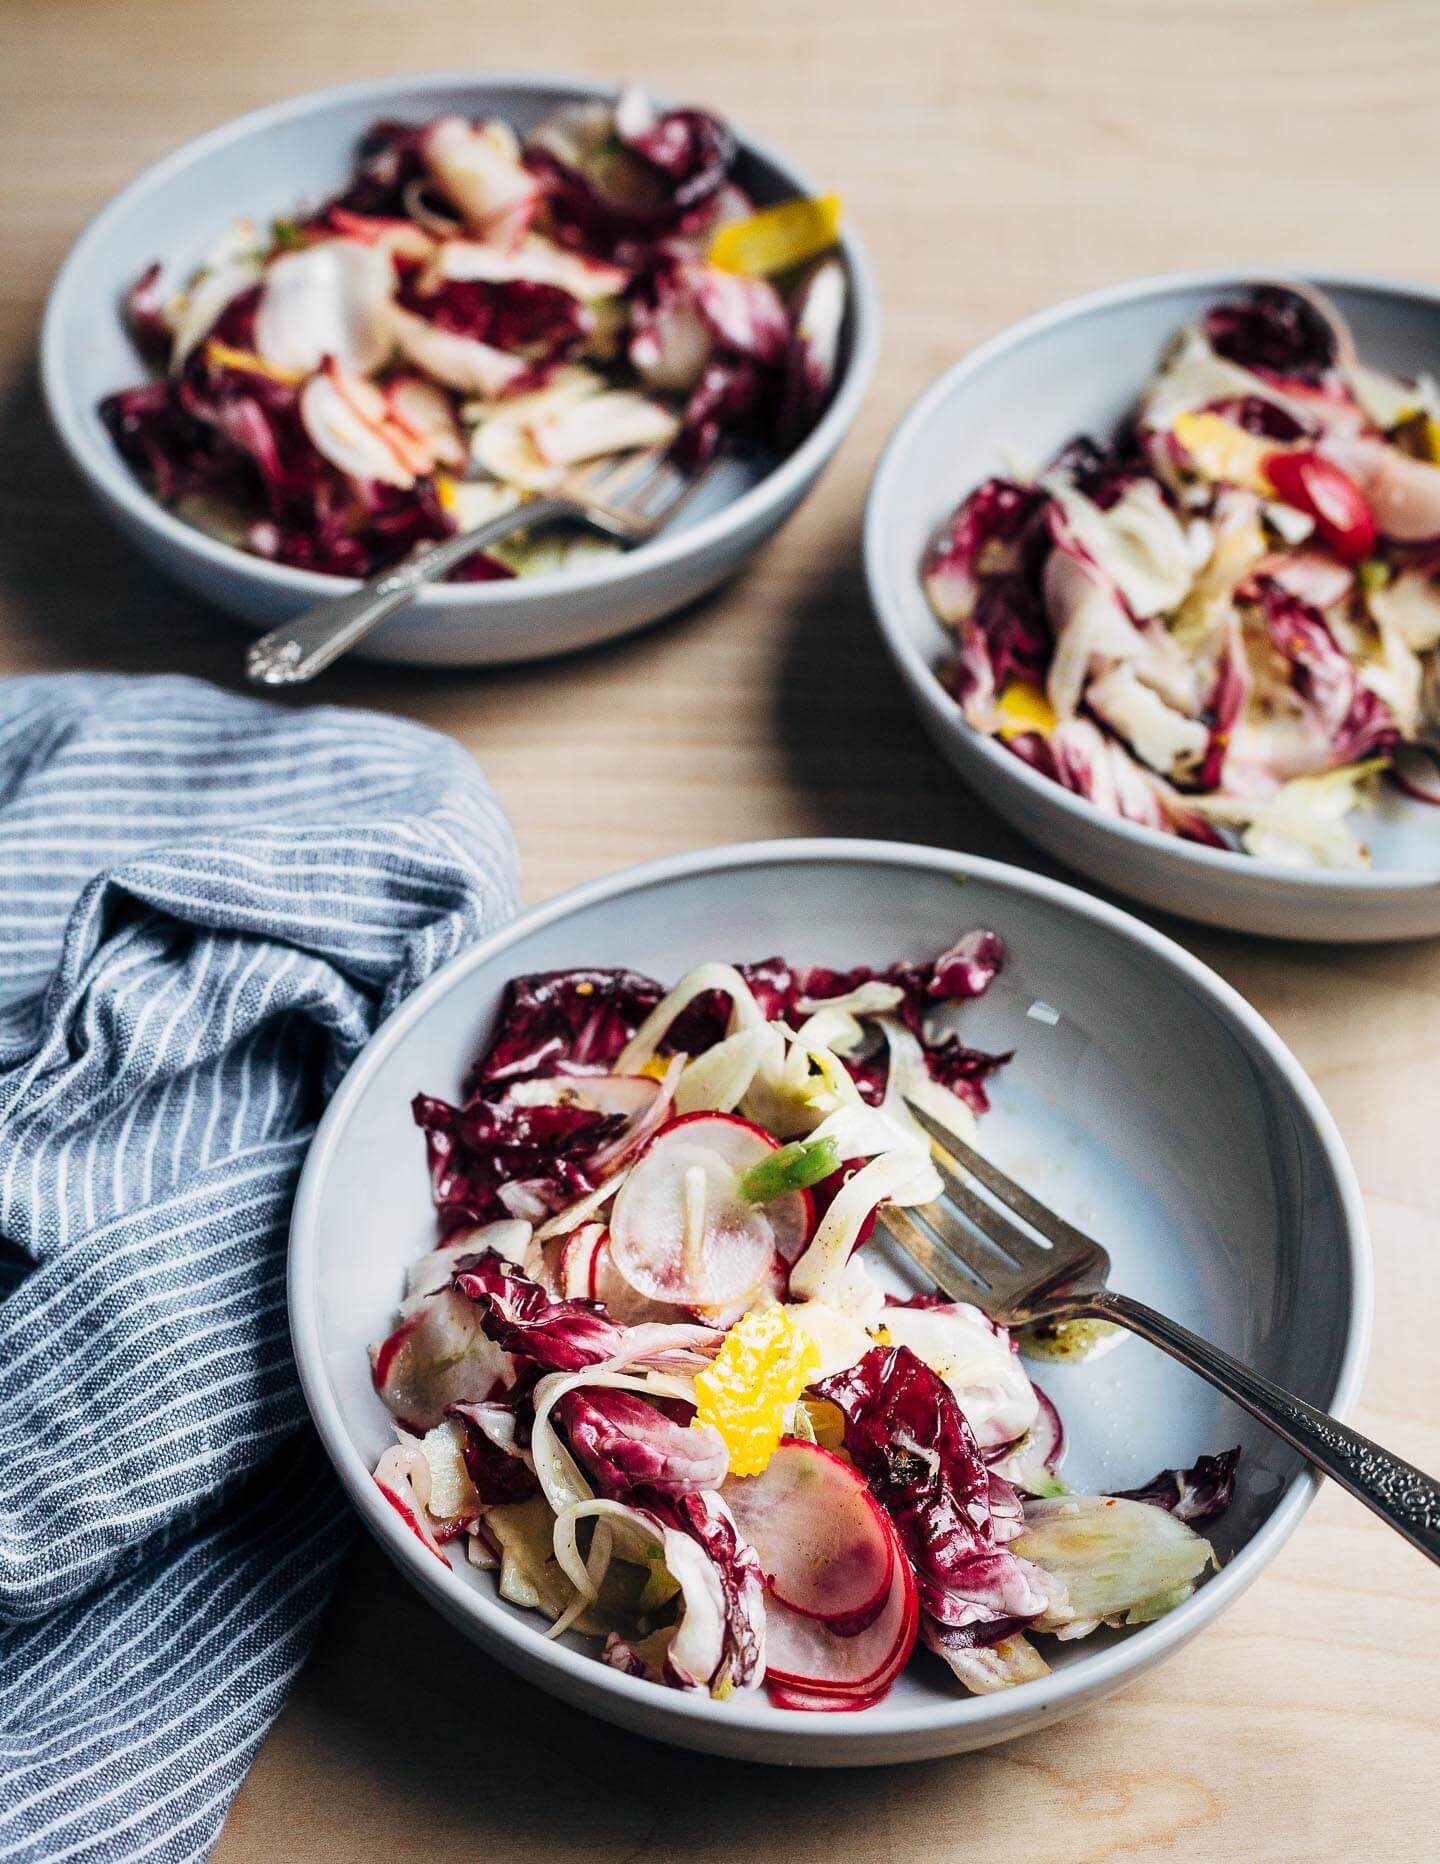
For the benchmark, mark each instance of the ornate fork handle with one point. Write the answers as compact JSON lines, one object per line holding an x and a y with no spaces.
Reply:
{"x":1400,"y":1494}
{"x":301,"y":648}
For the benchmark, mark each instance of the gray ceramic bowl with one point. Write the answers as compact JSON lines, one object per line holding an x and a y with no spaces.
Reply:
{"x":301,"y":150}
{"x":1158,"y":1108}
{"x":1079,"y":368}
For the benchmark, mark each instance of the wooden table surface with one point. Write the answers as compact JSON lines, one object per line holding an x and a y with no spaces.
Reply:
{"x":996,"y":157}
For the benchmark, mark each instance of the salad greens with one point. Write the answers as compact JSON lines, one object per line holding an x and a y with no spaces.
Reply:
{"x":648,"y":1377}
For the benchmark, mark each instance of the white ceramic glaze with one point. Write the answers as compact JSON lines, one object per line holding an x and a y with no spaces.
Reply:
{"x":1156,"y":1107}
{"x":1079,"y":368}
{"x":301,"y":150}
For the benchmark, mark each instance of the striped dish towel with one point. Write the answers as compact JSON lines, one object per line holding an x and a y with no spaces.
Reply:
{"x":207,"y":904}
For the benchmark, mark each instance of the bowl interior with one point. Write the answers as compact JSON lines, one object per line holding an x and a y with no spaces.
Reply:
{"x":1135,"y":1103}
{"x":284,"y":159}
{"x":1079,"y":369}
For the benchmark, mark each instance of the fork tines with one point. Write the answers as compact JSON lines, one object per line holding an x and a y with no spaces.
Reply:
{"x":1012,"y":1264}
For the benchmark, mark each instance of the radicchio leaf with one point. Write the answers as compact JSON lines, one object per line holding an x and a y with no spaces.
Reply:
{"x":493,"y":1448}
{"x":561,"y":1336}
{"x":1199,"y":1493}
{"x":492,"y":1155}
{"x":906,"y":1433}
{"x":624,"y":1441}
{"x":565,"y":1022}
{"x":706,"y":1519}
{"x":1354,"y":719}
{"x":540,"y":322}
{"x":1276,"y":330}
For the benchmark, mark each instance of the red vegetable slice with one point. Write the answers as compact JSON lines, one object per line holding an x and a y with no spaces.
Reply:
{"x":577,"y":1262}
{"x":1318,"y":487}
{"x":806,"y":1654}
{"x":680,"y":1230}
{"x":821,"y":1702}
{"x":824,"y":1543}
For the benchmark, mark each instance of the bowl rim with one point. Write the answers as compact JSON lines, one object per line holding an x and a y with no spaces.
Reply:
{"x":920,"y":673}
{"x":107,"y":473}
{"x":1104,"y":1669}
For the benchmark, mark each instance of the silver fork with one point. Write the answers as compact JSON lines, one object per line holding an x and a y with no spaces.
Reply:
{"x":627,"y":497}
{"x":1049,"y":1270}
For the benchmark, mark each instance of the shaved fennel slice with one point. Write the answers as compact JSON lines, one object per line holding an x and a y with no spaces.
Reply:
{"x":986,"y":1668}
{"x":452,"y":1494}
{"x":871,"y":998}
{"x":744,"y":1013}
{"x":596,"y":1567}
{"x":1303,"y":824}
{"x":817,"y":1276}
{"x":582,"y":1210}
{"x":718,"y":1080}
{"x":1112,"y":1557}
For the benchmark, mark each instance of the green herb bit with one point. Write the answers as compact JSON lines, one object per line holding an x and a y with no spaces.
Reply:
{"x":793,"y":1168}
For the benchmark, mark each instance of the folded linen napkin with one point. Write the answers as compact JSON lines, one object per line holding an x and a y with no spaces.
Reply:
{"x":207,"y":904}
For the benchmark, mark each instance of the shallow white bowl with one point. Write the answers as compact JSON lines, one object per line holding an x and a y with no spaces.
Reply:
{"x":1158,"y":1108}
{"x":299,"y":151}
{"x":1079,"y":368}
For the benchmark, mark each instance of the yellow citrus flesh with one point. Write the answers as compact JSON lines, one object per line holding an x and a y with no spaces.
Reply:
{"x":777,"y":237}
{"x":746,"y":1393}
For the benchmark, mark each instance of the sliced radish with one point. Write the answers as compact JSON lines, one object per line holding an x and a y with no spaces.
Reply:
{"x":1416,"y":769}
{"x":822,"y":1703}
{"x":403,"y":1477}
{"x":462,"y":363}
{"x":436,"y":1357}
{"x":347,"y":421}
{"x":576,"y":1274}
{"x":806,"y":1654}
{"x":426,"y":414}
{"x":618,"y":422}
{"x":680,"y":1230}
{"x":824,"y":1543}
{"x":536,"y":259}
{"x":620,"y":1301}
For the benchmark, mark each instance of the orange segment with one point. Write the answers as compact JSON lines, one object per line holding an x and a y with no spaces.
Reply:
{"x":777,"y":237}
{"x":746,"y":1394}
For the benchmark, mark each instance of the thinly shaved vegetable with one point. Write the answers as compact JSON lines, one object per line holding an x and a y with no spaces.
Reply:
{"x":668,"y":1405}
{"x":487,"y":272}
{"x":1195,"y":626}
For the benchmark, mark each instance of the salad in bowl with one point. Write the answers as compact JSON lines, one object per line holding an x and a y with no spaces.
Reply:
{"x":475,"y":313}
{"x":649,"y":1378}
{"x":1220,"y":622}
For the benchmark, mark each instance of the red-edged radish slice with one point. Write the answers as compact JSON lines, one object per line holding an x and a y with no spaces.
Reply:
{"x":816,"y":1702}
{"x":619,"y":1300}
{"x":576,"y":1271}
{"x":824,"y":1544}
{"x":805,"y":1654}
{"x":400,"y":1475}
{"x":1047,"y":1434}
{"x":427,"y":416}
{"x":437,"y":1356}
{"x":1417,"y":771}
{"x":680,"y":1231}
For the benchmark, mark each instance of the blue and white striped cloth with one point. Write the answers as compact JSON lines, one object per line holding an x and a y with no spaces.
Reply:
{"x":206,"y":905}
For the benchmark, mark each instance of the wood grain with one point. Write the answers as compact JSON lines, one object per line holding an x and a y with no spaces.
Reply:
{"x":997,"y":156}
